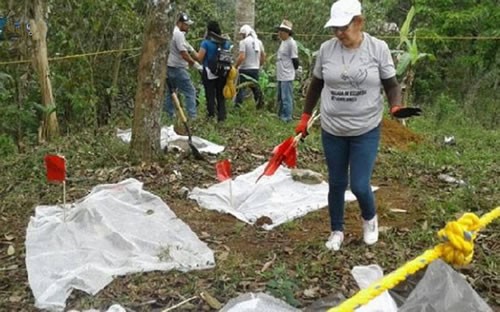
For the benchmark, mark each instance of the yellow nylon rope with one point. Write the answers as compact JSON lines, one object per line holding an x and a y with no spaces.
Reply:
{"x":260,"y":33}
{"x":67,"y":57}
{"x":457,"y":249}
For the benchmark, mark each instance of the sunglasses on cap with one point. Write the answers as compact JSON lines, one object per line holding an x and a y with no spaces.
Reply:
{"x":341,"y":28}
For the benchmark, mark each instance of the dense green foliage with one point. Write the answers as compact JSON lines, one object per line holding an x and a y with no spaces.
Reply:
{"x":465,"y":72}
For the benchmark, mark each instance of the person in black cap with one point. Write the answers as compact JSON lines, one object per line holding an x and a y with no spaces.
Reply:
{"x":179,"y":59}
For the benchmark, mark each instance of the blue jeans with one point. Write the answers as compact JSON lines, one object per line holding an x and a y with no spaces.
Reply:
{"x":354,"y":156}
{"x":179,"y":79}
{"x":285,"y":100}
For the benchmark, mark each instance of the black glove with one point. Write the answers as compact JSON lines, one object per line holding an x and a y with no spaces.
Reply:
{"x":405,"y":112}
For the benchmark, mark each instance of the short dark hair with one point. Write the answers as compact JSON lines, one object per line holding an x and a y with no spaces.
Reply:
{"x":214,"y":27}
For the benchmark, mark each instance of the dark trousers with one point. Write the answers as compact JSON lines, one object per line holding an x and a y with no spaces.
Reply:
{"x":257,"y":93}
{"x":215,"y":98}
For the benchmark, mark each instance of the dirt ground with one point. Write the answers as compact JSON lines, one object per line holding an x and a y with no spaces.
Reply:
{"x":235,"y":245}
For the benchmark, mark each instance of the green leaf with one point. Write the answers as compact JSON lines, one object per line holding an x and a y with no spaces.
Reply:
{"x":49,"y":109}
{"x":405,"y":28}
{"x":403,"y":64}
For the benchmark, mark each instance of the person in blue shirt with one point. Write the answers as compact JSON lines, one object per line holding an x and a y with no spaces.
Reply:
{"x":213,"y":83}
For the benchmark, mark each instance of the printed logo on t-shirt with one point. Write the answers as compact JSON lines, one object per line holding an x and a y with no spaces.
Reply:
{"x":346,"y":95}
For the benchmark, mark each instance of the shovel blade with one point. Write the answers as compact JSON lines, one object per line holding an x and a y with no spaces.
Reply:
{"x":196,"y":153}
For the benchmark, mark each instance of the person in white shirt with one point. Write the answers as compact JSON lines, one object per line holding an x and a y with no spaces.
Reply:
{"x":287,"y":61}
{"x":251,"y":57}
{"x":179,"y":59}
{"x":349,"y":72}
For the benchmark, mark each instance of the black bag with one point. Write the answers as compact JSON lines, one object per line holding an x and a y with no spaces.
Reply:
{"x":222,"y":62}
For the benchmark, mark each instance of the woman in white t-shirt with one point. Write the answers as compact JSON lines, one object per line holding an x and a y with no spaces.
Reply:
{"x":251,"y":57}
{"x":349,"y":72}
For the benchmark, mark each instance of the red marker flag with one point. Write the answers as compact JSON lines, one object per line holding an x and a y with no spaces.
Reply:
{"x":285,"y":152}
{"x":56,"y":168}
{"x":223,"y":170}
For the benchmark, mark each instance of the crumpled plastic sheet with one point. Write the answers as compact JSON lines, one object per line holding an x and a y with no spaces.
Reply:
{"x":364,"y":275}
{"x":115,"y":230}
{"x":277,"y":197}
{"x":168,"y":137}
{"x":113,"y":308}
{"x":443,"y":289}
{"x":257,"y":302}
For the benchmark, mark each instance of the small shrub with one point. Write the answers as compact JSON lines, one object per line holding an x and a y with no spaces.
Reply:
{"x":7,"y":146}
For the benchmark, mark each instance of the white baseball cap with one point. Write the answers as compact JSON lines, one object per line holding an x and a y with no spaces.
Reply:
{"x":342,"y":12}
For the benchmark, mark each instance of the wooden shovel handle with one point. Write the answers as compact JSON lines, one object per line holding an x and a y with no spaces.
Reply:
{"x":178,"y":106}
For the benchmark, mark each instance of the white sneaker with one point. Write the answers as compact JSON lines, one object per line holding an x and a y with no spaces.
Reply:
{"x":335,"y":240}
{"x":370,"y":231}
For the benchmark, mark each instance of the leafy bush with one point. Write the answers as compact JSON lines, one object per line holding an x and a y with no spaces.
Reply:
{"x":7,"y":146}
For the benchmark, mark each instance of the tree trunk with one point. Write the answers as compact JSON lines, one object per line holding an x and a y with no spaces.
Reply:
{"x":49,"y":127}
{"x":245,"y":14}
{"x":150,"y":93}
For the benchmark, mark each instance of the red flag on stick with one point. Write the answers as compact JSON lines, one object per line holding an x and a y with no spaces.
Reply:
{"x":223,"y":170}
{"x":285,"y":152}
{"x":56,"y":168}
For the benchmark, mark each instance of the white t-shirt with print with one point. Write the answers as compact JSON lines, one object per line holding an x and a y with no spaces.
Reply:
{"x":284,"y":65}
{"x":351,"y":99}
{"x":252,"y":55}
{"x":177,"y":45}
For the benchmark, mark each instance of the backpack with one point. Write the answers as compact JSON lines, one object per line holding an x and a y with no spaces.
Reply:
{"x":222,"y":62}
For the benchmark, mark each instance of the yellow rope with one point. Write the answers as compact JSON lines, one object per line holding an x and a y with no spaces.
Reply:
{"x":457,"y":249}
{"x":260,"y":33}
{"x":60,"y":58}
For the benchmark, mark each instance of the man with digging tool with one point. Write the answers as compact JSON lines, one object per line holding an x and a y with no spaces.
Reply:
{"x":349,"y":72}
{"x":179,"y":59}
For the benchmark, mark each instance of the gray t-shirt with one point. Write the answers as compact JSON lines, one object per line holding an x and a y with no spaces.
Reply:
{"x":177,"y":45}
{"x":252,"y":52}
{"x":351,"y":99}
{"x":284,"y":65}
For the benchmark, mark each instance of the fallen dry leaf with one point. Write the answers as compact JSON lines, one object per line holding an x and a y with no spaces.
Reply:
{"x":15,"y":299}
{"x":223,"y":256}
{"x":383,"y":229}
{"x":11,"y":250}
{"x":268,"y":264}
{"x":311,"y":292}
{"x":211,"y":301}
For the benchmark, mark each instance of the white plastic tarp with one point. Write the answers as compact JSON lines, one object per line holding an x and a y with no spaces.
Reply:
{"x":364,"y":276}
{"x":444,"y":289}
{"x":168,"y":137}
{"x":277,"y":197}
{"x":257,"y":302}
{"x":113,"y":308}
{"x":115,"y":230}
